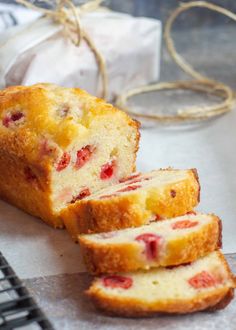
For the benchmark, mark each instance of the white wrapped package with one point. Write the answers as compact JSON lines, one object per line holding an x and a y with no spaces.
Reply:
{"x":40,"y":52}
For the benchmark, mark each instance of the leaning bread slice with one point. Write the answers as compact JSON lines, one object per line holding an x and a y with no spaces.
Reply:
{"x":171,"y":242}
{"x":206,"y":284}
{"x":133,"y":202}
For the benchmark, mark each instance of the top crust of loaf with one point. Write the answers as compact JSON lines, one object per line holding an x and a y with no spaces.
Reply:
{"x":41,"y":105}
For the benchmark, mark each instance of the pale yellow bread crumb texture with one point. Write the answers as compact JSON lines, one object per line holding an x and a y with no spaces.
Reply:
{"x":185,"y":245}
{"x":173,"y":295}
{"x":20,"y":146}
{"x":134,"y":208}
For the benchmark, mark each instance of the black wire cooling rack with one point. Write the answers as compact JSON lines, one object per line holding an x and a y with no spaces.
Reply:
{"x":17,"y":308}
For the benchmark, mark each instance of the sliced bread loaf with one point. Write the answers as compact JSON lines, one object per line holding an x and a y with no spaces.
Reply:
{"x":58,"y":145}
{"x":205,"y":284}
{"x":170,"y":242}
{"x":134,"y":202}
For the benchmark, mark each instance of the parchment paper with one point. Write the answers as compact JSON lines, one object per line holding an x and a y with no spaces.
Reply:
{"x":39,"y":52}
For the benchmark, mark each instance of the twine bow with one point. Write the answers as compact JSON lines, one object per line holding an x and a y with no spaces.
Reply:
{"x":64,"y":12}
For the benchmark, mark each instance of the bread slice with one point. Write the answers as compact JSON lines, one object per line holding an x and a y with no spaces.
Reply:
{"x":170,"y":242}
{"x":205,"y":284}
{"x":155,"y":195}
{"x":58,"y":145}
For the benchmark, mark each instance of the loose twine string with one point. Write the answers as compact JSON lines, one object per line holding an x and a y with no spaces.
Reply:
{"x":200,"y":84}
{"x":69,"y":16}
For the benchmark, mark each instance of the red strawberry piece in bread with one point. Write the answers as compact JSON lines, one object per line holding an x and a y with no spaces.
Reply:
{"x":63,"y":162}
{"x":203,"y":280}
{"x":152,"y":244}
{"x":107,"y":170}
{"x":117,"y":281}
{"x":14,"y":117}
{"x":83,"y":156}
{"x":183,"y":224}
{"x":131,"y":177}
{"x":129,"y":188}
{"x":83,"y":193}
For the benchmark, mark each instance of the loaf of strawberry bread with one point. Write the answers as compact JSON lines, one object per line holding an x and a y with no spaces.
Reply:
{"x":164,"y":243}
{"x":133,"y":202}
{"x":205,"y":284}
{"x":58,"y":145}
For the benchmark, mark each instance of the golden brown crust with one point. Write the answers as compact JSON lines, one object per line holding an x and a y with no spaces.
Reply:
{"x":217,"y":298}
{"x":21,"y":144}
{"x":136,"y":124}
{"x":195,"y":172}
{"x":102,"y":258}
{"x":131,"y":210}
{"x":39,"y":103}
{"x":28,"y":191}
{"x":223,"y":302}
{"x":105,"y":260}
{"x":220,"y":234}
{"x":226,"y":265}
{"x":195,"y":245}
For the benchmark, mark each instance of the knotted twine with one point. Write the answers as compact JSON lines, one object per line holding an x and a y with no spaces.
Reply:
{"x":200,"y":83}
{"x":69,"y":16}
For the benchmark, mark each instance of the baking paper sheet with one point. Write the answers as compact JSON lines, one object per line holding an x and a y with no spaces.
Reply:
{"x":28,"y":51}
{"x":33,"y":248}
